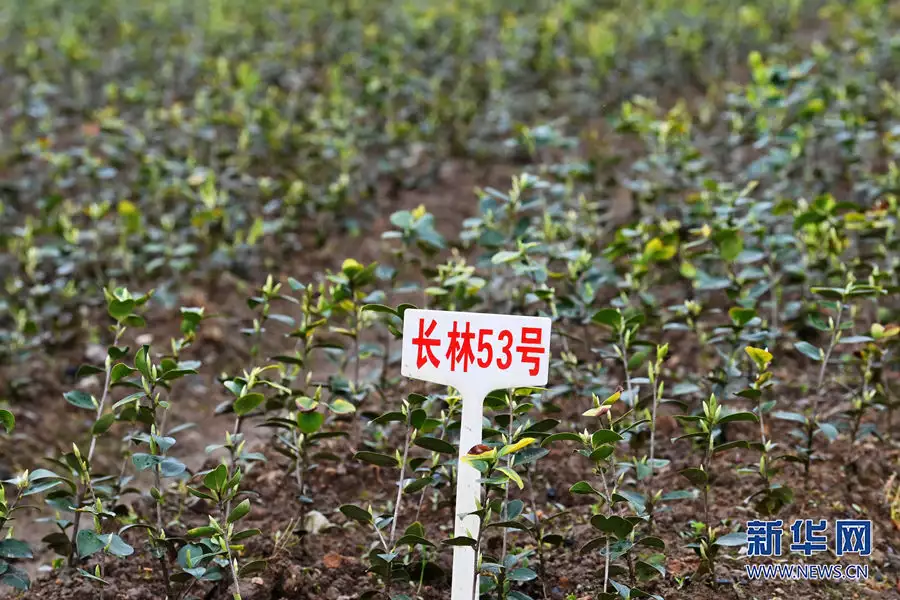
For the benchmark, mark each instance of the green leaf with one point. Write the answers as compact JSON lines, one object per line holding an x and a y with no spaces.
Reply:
{"x":651,"y":542}
{"x":171,"y":467}
{"x":829,"y":431}
{"x":729,"y":242}
{"x":117,"y":546}
{"x":379,"y":308}
{"x":351,"y":511}
{"x":435,"y":444}
{"x":739,"y":416}
{"x":216,"y":478}
{"x":731,"y":445}
{"x":15,"y":578}
{"x":741,"y":316}
{"x":809,"y":350}
{"x":390,"y":417}
{"x":10,"y":548}
{"x":521,"y":574}
{"x":512,"y":475}
{"x":310,"y":422}
{"x":828,"y":293}
{"x":635,"y":499}
{"x":80,"y":399}
{"x":86,"y":370}
{"x":91,"y":576}
{"x":7,"y":420}
{"x":418,"y":485}
{"x":246,"y":534}
{"x":679,"y":495}
{"x":615,"y":525}
{"x":88,"y":543}
{"x":145,"y":462}
{"x":119,"y":372}
{"x":732,"y":539}
{"x":239,"y":512}
{"x":247,"y":403}
{"x":605,"y":436}
{"x":374,"y":458}
{"x":561,"y":437}
{"x":647,"y":571}
{"x":695,"y":476}
{"x":505,"y":256}
{"x":119,"y":309}
{"x":142,"y":361}
{"x":253,"y":567}
{"x":789,"y":416}
{"x":103,"y":424}
{"x":342,"y":407}
{"x":413,"y":540}
{"x":609,"y":317}
{"x":855,"y":339}
{"x":460,"y":540}
{"x":205,"y":531}
{"x":583,"y":487}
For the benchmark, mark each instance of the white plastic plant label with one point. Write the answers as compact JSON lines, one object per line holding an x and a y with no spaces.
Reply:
{"x":475,"y":353}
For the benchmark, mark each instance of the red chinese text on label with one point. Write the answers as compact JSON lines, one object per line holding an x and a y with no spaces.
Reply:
{"x":467,"y":347}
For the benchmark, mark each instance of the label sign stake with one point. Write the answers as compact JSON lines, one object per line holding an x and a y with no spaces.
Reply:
{"x":475,"y":353}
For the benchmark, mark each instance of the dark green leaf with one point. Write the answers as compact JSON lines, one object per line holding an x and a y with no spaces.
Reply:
{"x":7,"y":420}
{"x":80,"y":399}
{"x":374,"y":458}
{"x":732,"y":539}
{"x":695,"y":476}
{"x":247,"y":403}
{"x":351,"y":511}
{"x":11,"y":548}
{"x":435,"y":445}
{"x":239,"y":512}
{"x":809,"y":350}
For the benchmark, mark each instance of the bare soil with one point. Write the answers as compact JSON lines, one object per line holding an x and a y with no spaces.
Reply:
{"x":845,"y":483}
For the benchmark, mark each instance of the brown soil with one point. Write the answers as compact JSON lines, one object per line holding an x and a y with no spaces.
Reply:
{"x":329,"y":565}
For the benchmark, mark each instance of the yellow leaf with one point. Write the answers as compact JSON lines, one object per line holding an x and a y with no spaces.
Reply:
{"x":761,"y":357}
{"x":509,"y":449}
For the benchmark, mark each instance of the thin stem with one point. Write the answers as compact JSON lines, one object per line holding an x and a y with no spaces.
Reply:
{"x":606,"y":552}
{"x":76,"y":521}
{"x":237,"y":429}
{"x":539,"y":528}
{"x":810,"y":426}
{"x":409,"y":431}
{"x":509,"y":460}
{"x":234,"y":573}
{"x":706,"y":458}
{"x":631,"y":399}
{"x":655,"y":385}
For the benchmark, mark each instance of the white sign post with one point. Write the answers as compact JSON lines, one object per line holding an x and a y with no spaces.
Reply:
{"x":475,"y":353}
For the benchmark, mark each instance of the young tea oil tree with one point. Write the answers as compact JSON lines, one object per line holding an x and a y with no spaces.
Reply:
{"x":513,"y":423}
{"x":618,"y":535}
{"x":496,"y":476}
{"x":392,"y":558}
{"x":705,"y":430}
{"x":299,"y":436}
{"x":80,"y":479}
{"x":838,"y":305}
{"x":218,"y":544}
{"x":12,"y":549}
{"x":653,"y":464}
{"x":348,"y":296}
{"x":869,"y":393}
{"x":624,"y":338}
{"x":150,"y":406}
{"x":772,"y":496}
